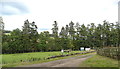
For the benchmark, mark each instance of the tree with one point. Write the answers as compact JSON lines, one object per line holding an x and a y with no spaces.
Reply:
{"x":71,"y":30}
{"x":55,"y":29}
{"x":1,"y":25}
{"x":44,"y":41}
{"x":16,"y":42}
{"x":12,"y":43}
{"x":64,"y":43}
{"x":5,"y":44}
{"x":66,"y":31}
{"x":83,"y":36}
{"x":55,"y":35}
{"x":70,"y":37}
{"x":1,"y":32}
{"x":30,"y":36}
{"x":77,"y":37}
{"x":63,"y":33}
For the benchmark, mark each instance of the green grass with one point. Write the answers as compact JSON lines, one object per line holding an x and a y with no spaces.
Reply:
{"x":99,"y":61}
{"x":10,"y":60}
{"x":0,"y":61}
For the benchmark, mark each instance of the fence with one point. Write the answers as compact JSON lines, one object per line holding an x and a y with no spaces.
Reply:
{"x":112,"y":52}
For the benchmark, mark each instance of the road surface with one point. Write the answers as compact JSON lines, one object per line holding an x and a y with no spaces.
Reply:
{"x":68,"y":62}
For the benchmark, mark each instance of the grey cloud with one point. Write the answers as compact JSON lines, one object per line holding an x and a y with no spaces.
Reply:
{"x":13,"y":8}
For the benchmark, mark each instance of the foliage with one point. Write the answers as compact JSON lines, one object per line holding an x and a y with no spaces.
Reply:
{"x":72,"y":36}
{"x":24,"y":40}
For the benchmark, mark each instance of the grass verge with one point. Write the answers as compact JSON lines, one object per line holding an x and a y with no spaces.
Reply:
{"x":99,"y":61}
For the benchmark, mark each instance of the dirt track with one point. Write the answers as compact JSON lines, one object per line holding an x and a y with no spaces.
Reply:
{"x":68,"y":62}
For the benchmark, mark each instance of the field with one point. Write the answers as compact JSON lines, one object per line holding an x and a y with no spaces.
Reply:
{"x":9,"y":59}
{"x":100,"y":61}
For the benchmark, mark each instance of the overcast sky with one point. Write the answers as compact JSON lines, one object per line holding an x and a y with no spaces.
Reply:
{"x":45,"y":12}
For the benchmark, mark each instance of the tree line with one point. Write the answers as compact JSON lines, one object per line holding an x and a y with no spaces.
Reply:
{"x":72,"y":36}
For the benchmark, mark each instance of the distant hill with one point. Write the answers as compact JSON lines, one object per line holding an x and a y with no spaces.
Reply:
{"x":6,"y":32}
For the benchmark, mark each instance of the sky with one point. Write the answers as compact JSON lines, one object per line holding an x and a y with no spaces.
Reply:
{"x":45,"y":12}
